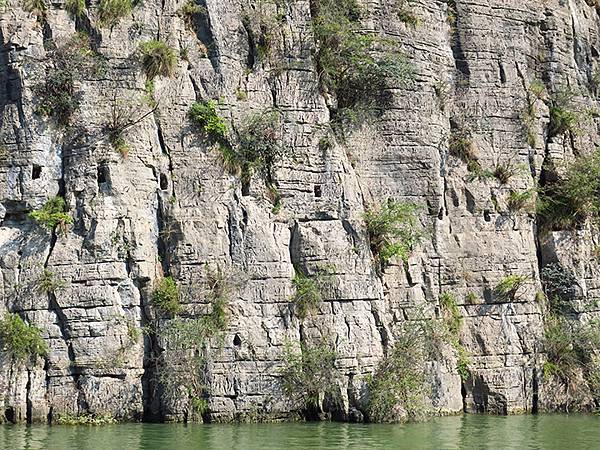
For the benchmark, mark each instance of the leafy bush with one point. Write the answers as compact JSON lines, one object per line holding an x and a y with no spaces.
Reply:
{"x":451,"y":313}
{"x":158,"y":59}
{"x":38,"y":7}
{"x":399,"y":380}
{"x":205,"y":114}
{"x":568,"y":347}
{"x":461,"y":146}
{"x":563,"y":115}
{"x":518,"y":201}
{"x":405,"y":14}
{"x":307,"y":295}
{"x":57,"y":96}
{"x":504,"y":171}
{"x":71,"y":62}
{"x":182,"y":366}
{"x":574,"y":197}
{"x":53,"y":214}
{"x":111,"y":11}
{"x":560,"y":286}
{"x":21,"y":340}
{"x":258,"y":149}
{"x":453,"y":323}
{"x":393,"y":230}
{"x":472,"y":298}
{"x":48,"y":282}
{"x":75,"y":7}
{"x":166,"y":295}
{"x":309,"y":375}
{"x":259,"y":145}
{"x":220,"y":286}
{"x":262,"y":23}
{"x":344,"y":57}
{"x":189,"y":12}
{"x":508,"y":288}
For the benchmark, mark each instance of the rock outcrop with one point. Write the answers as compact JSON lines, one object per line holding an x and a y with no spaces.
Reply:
{"x":168,"y":207}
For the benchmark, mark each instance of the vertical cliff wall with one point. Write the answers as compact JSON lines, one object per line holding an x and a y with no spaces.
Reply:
{"x":168,"y":207}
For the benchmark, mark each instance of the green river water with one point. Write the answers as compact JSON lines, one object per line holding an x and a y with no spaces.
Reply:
{"x":469,"y":431}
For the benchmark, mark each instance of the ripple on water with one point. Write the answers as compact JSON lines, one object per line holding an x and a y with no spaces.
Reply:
{"x":469,"y":431}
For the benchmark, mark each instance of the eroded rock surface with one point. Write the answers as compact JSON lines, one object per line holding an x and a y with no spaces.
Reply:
{"x":169,"y":207}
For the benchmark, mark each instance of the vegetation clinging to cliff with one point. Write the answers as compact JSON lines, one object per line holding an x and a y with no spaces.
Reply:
{"x":166,"y":295}
{"x":573,"y":197}
{"x":56,"y":95}
{"x":259,"y":146}
{"x":75,"y":7}
{"x":393,"y":230}
{"x":309,"y":375}
{"x":111,"y":11}
{"x":20,"y":339}
{"x":158,"y":59}
{"x":346,"y":59}
{"x":182,"y":366}
{"x":572,"y":348}
{"x":308,"y":290}
{"x":509,"y":287}
{"x":53,"y":215}
{"x":205,"y":114}
{"x":453,"y":323}
{"x":398,"y":385}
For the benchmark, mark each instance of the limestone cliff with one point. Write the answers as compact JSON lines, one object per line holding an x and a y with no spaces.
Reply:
{"x":168,"y":207}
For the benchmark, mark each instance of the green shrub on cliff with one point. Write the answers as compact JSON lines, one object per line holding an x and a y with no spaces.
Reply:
{"x":75,"y":7}
{"x":49,"y":283}
{"x":20,"y":339}
{"x":563,"y":115}
{"x":508,"y":288}
{"x":405,"y":14}
{"x":166,"y":295}
{"x":308,"y":289}
{"x":189,"y":12}
{"x":393,"y":229}
{"x":57,"y":97}
{"x":259,"y":145}
{"x":158,"y":59}
{"x":573,"y":197}
{"x":220,"y":286}
{"x":307,"y":295}
{"x":308,"y":375}
{"x":38,"y":7}
{"x":461,"y":145}
{"x":399,"y":382}
{"x":111,"y":11}
{"x":453,"y":323}
{"x":181,"y":369}
{"x":74,"y":61}
{"x":189,"y":342}
{"x":205,"y":114}
{"x":571,"y":348}
{"x":345,"y":59}
{"x":53,"y":215}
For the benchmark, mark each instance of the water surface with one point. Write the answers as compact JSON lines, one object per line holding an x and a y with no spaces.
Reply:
{"x":469,"y":431}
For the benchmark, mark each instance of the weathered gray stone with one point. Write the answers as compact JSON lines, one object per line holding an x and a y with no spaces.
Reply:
{"x":169,"y":206}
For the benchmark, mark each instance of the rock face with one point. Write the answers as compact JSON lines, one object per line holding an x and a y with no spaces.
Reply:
{"x":169,"y":207}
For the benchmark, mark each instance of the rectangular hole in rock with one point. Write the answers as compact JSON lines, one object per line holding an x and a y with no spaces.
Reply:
{"x":102,"y":174}
{"x":36,"y":172}
{"x":164,"y":183}
{"x":318,"y":191}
